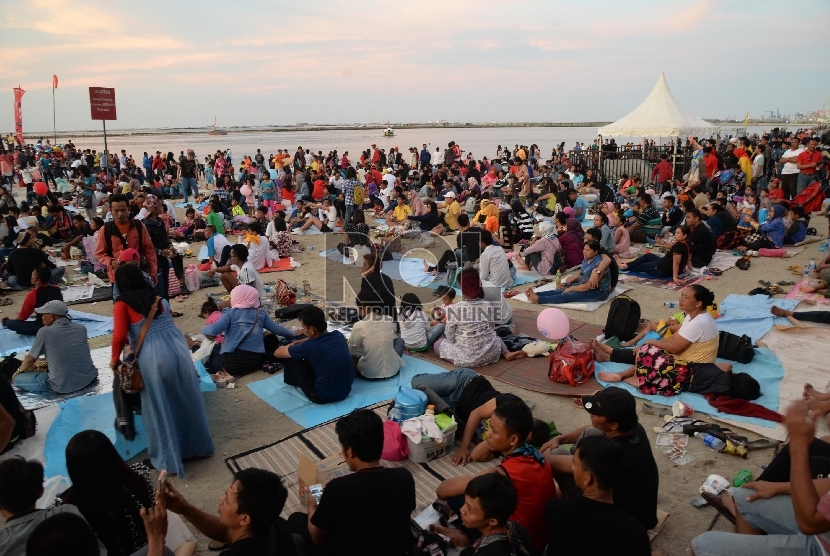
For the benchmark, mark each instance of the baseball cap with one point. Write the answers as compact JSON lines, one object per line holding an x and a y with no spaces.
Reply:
{"x":449,"y":194}
{"x":616,"y":404}
{"x":128,"y":255}
{"x":190,"y":151}
{"x":54,"y":307}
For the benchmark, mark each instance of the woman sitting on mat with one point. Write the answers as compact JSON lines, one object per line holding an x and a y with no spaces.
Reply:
{"x":594,"y":282}
{"x":671,"y":264}
{"x":243,"y":350}
{"x":571,"y":237}
{"x":470,"y":338}
{"x":544,"y":253}
{"x":685,"y":361}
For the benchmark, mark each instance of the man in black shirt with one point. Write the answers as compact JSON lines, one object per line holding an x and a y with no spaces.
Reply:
{"x":471,"y":398}
{"x":672,"y":215}
{"x":187,"y":174}
{"x":596,"y":469}
{"x":249,"y":515}
{"x":365,"y":513}
{"x":701,"y":238}
{"x":26,"y":258}
{"x":468,"y":242}
{"x":613,"y":414}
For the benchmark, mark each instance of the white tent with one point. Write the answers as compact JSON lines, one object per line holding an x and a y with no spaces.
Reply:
{"x":659,"y":115}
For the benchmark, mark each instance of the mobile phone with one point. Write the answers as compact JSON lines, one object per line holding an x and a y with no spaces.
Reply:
{"x":316,"y":491}
{"x":699,"y":502}
{"x":161,"y":485}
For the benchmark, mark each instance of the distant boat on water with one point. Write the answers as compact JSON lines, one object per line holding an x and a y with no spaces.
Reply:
{"x":388,"y":132}
{"x":215,"y":131}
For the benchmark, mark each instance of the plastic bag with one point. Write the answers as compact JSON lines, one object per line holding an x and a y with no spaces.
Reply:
{"x":395,"y":447}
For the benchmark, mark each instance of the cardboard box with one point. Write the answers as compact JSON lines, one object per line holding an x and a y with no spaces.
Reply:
{"x":321,"y":472}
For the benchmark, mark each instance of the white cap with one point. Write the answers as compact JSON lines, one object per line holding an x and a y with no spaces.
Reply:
{"x":449,"y":194}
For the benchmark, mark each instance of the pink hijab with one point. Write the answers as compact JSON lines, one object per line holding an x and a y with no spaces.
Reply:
{"x":416,"y":204}
{"x":244,"y":297}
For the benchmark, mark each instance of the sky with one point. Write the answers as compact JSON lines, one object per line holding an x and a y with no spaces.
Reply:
{"x":254,"y":62}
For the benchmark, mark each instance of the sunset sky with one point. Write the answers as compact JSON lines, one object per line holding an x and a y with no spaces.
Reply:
{"x":254,"y":62}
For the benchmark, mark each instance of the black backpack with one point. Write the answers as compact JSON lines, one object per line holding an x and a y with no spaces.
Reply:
{"x":623,"y":318}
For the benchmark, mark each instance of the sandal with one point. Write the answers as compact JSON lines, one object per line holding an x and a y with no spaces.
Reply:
{"x":175,"y":314}
{"x":764,"y":283}
{"x":786,"y":283}
{"x":762,"y":444}
{"x":717,"y":502}
{"x":511,"y":293}
{"x":6,"y":301}
{"x":181,"y":298}
{"x":656,"y":409}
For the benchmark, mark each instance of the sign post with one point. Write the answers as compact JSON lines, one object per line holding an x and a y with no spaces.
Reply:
{"x":18,"y":116}
{"x":102,"y":107}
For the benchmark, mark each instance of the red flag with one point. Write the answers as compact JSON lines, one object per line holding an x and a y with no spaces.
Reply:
{"x":54,"y":81}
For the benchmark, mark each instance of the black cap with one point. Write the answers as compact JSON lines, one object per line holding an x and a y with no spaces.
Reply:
{"x":615,"y":404}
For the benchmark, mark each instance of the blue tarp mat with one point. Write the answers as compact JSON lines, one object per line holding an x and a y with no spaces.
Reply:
{"x":96,"y":325}
{"x":84,"y":413}
{"x":765,"y":367}
{"x":291,"y":401}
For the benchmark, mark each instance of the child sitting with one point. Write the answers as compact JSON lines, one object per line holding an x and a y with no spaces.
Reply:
{"x":489,"y":501}
{"x":417,"y":332}
{"x":447,"y":298}
{"x":236,"y":209}
{"x":510,"y":425}
{"x":278,"y":236}
{"x":797,"y":231}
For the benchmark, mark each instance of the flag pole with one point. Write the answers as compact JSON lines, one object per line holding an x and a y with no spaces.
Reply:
{"x":54,"y":125}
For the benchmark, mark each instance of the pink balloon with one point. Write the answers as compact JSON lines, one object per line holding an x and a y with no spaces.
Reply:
{"x":245,"y":190}
{"x":553,"y":324}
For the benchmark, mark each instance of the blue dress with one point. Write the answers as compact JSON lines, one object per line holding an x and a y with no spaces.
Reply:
{"x":171,"y":403}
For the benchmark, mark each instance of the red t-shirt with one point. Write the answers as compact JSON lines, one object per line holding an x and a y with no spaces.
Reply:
{"x":318,"y":192}
{"x":534,"y":487}
{"x":776,"y":194}
{"x":808,"y":157}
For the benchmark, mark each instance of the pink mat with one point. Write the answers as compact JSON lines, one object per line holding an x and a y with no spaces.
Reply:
{"x":818,"y":298}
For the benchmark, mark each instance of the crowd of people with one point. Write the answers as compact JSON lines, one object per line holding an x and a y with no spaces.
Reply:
{"x":118,"y":218}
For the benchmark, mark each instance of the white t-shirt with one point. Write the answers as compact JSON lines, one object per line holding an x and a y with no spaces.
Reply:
{"x":791,"y":167}
{"x":414,"y":329}
{"x":493,"y":266}
{"x":248,"y":275}
{"x":219,"y":243}
{"x":259,"y":255}
{"x":758,"y":166}
{"x":699,"y":329}
{"x":330,"y":215}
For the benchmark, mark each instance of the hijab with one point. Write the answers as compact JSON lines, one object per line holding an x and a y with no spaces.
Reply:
{"x":416,"y":204}
{"x":133,"y":289}
{"x":245,"y":297}
{"x":778,"y":211}
{"x":573,"y":226}
{"x":547,"y":230}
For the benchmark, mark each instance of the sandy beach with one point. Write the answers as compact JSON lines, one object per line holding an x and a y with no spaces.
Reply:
{"x":240,"y":421}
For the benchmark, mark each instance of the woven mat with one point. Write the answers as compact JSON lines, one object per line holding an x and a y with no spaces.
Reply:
{"x":531,"y":373}
{"x":320,"y":442}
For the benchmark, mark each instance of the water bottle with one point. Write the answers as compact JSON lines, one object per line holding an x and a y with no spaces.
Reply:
{"x":394,"y":414}
{"x":712,"y":441}
{"x":812,"y":266}
{"x":669,"y":304}
{"x":805,"y":277}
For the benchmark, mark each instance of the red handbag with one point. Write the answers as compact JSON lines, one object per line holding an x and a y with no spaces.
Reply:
{"x":572,"y":363}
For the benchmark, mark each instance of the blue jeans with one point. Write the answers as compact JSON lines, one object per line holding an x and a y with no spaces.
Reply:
{"x":33,"y":382}
{"x":448,"y":385}
{"x":804,"y":180}
{"x":775,"y":516}
{"x":647,"y":264}
{"x":561,"y":296}
{"x":433,"y":333}
{"x":187,"y":184}
{"x":349,"y":212}
{"x":23,"y":327}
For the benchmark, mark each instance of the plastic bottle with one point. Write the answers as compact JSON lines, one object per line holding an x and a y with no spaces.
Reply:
{"x":558,"y":279}
{"x":394,"y":414}
{"x":430,"y":410}
{"x":669,"y":304}
{"x":743,"y":477}
{"x":712,"y":441}
{"x":812,"y":266}
{"x":805,"y":277}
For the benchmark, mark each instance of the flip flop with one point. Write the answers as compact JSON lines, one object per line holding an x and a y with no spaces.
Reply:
{"x":764,"y":283}
{"x":511,"y":293}
{"x":174,"y":314}
{"x":786,"y":283}
{"x":6,"y":301}
{"x":656,"y":409}
{"x":717,"y":502}
{"x":762,"y":444}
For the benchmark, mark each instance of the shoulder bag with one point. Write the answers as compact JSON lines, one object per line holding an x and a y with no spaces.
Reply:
{"x":128,"y":371}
